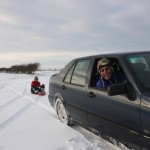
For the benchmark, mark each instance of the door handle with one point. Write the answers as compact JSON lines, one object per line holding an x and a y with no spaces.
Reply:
{"x":91,"y":95}
{"x":63,"y":87}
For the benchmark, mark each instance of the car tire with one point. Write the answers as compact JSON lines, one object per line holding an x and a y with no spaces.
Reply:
{"x":62,"y":113}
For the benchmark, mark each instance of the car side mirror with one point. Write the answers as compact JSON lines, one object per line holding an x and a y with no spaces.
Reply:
{"x":130,"y":92}
{"x":120,"y":89}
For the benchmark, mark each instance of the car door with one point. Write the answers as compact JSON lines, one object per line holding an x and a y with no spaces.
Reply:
{"x":145,"y":121}
{"x":74,"y":90}
{"x":115,"y":116}
{"x":140,"y":64}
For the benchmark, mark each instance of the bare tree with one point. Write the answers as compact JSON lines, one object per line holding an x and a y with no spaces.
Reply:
{"x":25,"y":68}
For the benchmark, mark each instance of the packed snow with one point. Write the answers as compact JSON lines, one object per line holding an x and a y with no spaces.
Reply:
{"x":28,"y":122}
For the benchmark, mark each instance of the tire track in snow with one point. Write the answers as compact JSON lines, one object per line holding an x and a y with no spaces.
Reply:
{"x":1,"y":87}
{"x":10,"y":102}
{"x":14,"y":99}
{"x":14,"y":118}
{"x":4,"y":126}
{"x":35,"y":101}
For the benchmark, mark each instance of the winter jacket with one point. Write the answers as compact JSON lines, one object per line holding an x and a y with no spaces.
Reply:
{"x":117,"y":77}
{"x":35,"y":84}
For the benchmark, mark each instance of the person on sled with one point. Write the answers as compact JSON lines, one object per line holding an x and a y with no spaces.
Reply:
{"x":36,"y":87}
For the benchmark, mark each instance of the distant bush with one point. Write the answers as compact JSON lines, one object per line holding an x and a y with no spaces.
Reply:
{"x":25,"y":68}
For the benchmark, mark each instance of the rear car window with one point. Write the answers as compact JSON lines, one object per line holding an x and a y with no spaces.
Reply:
{"x":80,"y":71}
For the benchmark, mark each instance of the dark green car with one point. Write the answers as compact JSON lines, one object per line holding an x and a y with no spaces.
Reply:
{"x":121,"y":112}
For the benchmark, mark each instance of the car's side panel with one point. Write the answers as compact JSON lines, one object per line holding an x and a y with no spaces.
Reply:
{"x":145,"y":120}
{"x":116,"y":116}
{"x":55,"y":83}
{"x":74,"y":90}
{"x":74,"y":97}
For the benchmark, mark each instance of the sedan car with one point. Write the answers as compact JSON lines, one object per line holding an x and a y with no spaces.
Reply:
{"x":121,"y":111}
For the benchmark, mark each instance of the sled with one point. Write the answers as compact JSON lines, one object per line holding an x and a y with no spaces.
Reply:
{"x":36,"y":92}
{"x":41,"y":94}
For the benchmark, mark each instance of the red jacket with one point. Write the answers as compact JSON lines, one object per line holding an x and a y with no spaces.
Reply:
{"x":36,"y":83}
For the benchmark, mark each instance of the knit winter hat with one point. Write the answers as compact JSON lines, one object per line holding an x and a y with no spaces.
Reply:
{"x":102,"y":63}
{"x":36,"y":78}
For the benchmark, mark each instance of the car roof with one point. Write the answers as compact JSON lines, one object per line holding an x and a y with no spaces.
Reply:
{"x":113,"y":54}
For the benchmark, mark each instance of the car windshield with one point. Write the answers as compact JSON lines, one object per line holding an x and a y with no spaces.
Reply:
{"x":140,"y":63}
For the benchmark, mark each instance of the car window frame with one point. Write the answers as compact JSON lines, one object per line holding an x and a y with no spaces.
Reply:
{"x":74,"y":67}
{"x":95,"y":61}
{"x":137,"y":79}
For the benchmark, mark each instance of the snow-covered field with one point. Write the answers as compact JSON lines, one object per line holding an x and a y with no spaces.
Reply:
{"x":28,"y":122}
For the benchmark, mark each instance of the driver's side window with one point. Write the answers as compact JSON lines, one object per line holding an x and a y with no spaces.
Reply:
{"x":106,"y":72}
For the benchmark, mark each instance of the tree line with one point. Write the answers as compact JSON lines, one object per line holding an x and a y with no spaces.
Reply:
{"x":25,"y":68}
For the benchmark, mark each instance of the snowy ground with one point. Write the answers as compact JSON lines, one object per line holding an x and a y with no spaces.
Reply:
{"x":28,"y":122}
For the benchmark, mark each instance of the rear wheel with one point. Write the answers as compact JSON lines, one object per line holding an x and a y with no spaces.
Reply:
{"x":62,"y":113}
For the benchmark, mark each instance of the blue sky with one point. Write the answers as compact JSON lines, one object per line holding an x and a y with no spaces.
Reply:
{"x":53,"y":32}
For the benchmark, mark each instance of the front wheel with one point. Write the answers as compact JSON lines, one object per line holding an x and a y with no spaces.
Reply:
{"x":62,"y":114}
